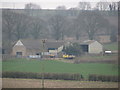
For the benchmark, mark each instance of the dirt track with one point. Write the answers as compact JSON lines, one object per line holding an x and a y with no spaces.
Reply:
{"x":35,"y":83}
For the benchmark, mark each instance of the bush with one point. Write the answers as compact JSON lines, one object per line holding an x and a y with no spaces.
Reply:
{"x":103,"y":78}
{"x":74,"y":49}
{"x":55,"y":76}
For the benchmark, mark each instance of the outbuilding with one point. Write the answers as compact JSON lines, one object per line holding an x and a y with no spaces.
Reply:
{"x":91,"y":47}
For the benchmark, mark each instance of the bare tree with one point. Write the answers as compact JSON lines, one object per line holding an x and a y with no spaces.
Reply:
{"x":84,"y":6}
{"x":61,"y":7}
{"x":57,"y":24}
{"x":36,"y":27}
{"x":78,"y":25}
{"x":93,"y":22}
{"x":8,"y":27}
{"x":102,"y":5}
{"x":113,"y":6}
{"x":32,"y":6}
{"x":29,"y":8}
{"x":21,"y":25}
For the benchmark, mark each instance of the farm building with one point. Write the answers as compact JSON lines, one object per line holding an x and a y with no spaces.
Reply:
{"x":54,"y":47}
{"x":91,"y":47}
{"x":35,"y":47}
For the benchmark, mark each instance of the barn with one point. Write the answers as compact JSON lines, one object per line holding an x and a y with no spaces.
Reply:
{"x":27,"y":47}
{"x":91,"y":47}
{"x":35,"y":47}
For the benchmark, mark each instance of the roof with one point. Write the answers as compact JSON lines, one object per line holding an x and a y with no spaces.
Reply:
{"x":32,"y":44}
{"x":55,"y":44}
{"x":87,"y":42}
{"x":37,"y":44}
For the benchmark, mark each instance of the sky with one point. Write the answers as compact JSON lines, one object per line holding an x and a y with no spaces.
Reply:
{"x":46,"y":4}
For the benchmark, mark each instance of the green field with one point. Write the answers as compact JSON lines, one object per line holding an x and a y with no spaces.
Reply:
{"x":59,"y":67}
{"x":111,"y":46}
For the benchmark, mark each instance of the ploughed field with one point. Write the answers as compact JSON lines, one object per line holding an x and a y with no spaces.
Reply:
{"x":36,"y":83}
{"x":52,"y":66}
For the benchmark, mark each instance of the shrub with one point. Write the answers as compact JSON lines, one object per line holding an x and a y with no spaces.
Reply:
{"x":74,"y":49}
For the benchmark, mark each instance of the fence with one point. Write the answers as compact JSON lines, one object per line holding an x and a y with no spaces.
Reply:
{"x":7,"y":57}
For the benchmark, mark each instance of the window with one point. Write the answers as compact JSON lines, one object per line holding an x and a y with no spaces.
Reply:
{"x":19,"y":53}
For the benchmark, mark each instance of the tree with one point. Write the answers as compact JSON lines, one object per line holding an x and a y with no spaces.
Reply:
{"x":21,"y":25}
{"x":8,"y":27}
{"x":113,"y":6}
{"x":61,"y":8}
{"x":113,"y":34}
{"x":73,"y":11}
{"x":102,"y":5}
{"x":29,"y":8}
{"x":32,"y":6}
{"x":94,"y":21}
{"x":57,"y":23}
{"x":73,"y":49}
{"x":78,"y":25}
{"x":36,"y":27}
{"x":84,"y":6}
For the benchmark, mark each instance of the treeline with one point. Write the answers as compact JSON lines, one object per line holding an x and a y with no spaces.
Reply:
{"x":101,"y":5}
{"x":20,"y":24}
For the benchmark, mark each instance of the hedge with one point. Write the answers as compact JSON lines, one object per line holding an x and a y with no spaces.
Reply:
{"x":55,"y":76}
{"x":94,"y":77}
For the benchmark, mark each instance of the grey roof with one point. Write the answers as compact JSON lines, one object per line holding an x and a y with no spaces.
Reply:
{"x":37,"y":44}
{"x":32,"y":44}
{"x":55,"y":44}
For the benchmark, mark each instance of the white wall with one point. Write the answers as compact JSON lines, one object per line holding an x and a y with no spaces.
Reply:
{"x":60,"y":49}
{"x":57,"y":50}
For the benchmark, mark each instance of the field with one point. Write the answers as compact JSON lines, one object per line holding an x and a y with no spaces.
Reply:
{"x":36,"y":83}
{"x":52,"y":66}
{"x":111,"y":46}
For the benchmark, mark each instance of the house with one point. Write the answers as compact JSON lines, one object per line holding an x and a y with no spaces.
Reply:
{"x":91,"y":47}
{"x":35,"y":47}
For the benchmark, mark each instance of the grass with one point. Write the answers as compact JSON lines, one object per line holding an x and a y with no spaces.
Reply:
{"x":23,"y":65}
{"x":111,"y":46}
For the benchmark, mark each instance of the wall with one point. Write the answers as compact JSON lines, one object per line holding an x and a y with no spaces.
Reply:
{"x":32,"y":51}
{"x":19,"y":49}
{"x":56,"y":51}
{"x":95,"y":48}
{"x":60,"y":49}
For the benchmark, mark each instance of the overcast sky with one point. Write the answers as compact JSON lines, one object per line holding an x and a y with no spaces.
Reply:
{"x":46,"y":4}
